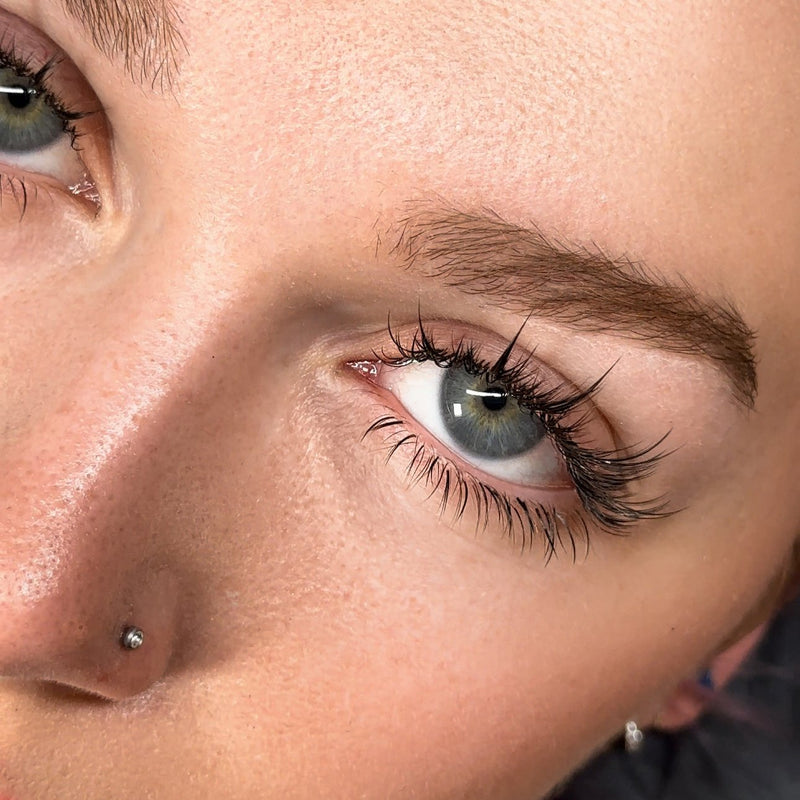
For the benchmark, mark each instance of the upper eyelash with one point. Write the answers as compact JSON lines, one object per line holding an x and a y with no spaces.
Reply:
{"x":602,"y":478}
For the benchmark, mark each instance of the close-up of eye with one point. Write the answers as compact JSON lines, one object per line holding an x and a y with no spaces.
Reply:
{"x":510,"y":438}
{"x":39,"y":127}
{"x":480,"y":421}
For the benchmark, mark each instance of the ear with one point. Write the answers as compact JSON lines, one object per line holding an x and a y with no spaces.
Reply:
{"x":691,"y":697}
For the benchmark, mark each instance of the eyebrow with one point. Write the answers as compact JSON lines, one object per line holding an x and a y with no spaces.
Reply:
{"x":522,"y":270}
{"x":145,"y":33}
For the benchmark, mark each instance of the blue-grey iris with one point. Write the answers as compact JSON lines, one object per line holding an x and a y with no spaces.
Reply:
{"x":27,"y":121}
{"x":483,"y":419}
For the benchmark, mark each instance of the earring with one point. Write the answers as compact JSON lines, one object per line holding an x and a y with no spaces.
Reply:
{"x":633,"y":737}
{"x":706,"y":680}
{"x":132,"y":638}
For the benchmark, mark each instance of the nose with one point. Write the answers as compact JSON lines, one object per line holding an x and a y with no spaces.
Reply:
{"x":77,"y":572}
{"x":81,"y":559}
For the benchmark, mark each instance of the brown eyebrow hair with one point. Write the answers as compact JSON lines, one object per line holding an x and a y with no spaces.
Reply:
{"x":522,"y":270}
{"x":145,"y":33}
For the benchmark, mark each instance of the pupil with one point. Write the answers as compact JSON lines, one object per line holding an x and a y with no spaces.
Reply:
{"x":495,"y":402}
{"x":20,"y":100}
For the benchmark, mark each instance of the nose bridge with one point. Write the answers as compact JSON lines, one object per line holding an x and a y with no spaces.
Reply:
{"x":77,"y":559}
{"x":65,"y":489}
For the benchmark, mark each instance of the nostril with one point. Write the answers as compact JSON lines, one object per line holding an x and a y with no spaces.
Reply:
{"x":95,"y":643}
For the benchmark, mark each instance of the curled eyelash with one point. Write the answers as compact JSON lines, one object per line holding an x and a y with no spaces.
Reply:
{"x":602,"y":479}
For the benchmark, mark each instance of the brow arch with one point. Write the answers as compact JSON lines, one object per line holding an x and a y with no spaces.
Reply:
{"x":520,"y":269}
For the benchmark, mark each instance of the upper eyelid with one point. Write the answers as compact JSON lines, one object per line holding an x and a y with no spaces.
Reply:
{"x":30,"y":52}
{"x":519,"y":269}
{"x":486,"y":349}
{"x":531,"y":376}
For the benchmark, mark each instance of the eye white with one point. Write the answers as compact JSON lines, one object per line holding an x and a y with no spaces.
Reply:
{"x":418,"y":387}
{"x":59,"y":160}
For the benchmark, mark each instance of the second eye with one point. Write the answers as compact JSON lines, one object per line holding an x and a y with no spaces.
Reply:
{"x":479,"y":421}
{"x":36,"y":132}
{"x":27,"y":122}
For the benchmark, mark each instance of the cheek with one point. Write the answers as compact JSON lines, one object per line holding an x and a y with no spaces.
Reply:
{"x":398,"y":649}
{"x":348,"y":636}
{"x":393,"y":649}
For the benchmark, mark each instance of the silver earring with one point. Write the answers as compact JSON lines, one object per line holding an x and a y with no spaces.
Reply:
{"x":132,"y":638}
{"x":633,"y":737}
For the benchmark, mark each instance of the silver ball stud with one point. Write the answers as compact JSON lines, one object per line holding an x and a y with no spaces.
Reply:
{"x":132,"y":638}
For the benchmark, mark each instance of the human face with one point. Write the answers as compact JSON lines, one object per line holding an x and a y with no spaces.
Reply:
{"x":182,"y":418}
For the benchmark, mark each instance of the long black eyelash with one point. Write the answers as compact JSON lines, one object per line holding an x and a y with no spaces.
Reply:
{"x":524,"y":522}
{"x":602,"y":478}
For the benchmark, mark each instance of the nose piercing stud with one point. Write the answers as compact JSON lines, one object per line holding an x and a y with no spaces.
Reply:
{"x":132,"y":638}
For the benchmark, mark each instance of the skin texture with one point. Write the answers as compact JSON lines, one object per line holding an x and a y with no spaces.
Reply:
{"x":181,"y":443}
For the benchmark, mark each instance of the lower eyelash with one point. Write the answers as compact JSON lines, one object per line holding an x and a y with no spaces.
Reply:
{"x":16,"y":188}
{"x":524,"y":522}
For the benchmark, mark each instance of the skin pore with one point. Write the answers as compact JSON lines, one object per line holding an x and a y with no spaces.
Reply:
{"x":182,"y":433}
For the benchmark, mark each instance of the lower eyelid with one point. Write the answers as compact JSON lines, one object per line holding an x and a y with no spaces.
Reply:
{"x":546,"y":494}
{"x":552,"y":519}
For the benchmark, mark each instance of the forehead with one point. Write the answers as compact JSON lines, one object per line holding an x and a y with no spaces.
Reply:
{"x":543,"y":104}
{"x":664,"y":130}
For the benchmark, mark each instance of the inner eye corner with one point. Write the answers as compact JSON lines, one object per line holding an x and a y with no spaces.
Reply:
{"x":366,"y":368}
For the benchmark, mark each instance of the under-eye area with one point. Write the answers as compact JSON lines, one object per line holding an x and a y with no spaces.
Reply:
{"x":495,"y":436}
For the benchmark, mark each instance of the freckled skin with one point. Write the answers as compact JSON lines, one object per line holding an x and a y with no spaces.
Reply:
{"x":181,"y":450}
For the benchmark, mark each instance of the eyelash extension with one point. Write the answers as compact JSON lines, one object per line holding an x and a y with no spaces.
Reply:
{"x":601,"y":478}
